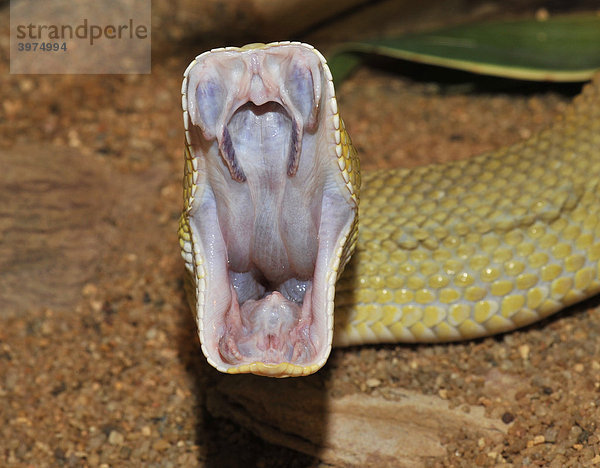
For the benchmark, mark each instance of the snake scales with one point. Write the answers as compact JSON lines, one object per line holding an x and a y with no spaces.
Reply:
{"x":445,"y":252}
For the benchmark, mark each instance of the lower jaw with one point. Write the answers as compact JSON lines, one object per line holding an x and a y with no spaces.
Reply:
{"x":283,"y":369}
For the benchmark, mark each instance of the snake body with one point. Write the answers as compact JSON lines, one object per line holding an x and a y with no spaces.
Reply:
{"x":443,"y":252}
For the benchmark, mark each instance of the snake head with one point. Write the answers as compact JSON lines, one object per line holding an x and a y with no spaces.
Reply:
{"x":270,"y":203}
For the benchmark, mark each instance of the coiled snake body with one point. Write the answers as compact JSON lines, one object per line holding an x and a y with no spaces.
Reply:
{"x":445,"y":252}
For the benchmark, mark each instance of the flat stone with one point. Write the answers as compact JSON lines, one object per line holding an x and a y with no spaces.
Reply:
{"x":53,"y":203}
{"x":60,"y":213}
{"x":361,"y":430}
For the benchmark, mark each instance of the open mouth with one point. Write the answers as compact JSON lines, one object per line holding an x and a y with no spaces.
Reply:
{"x":271,"y":212}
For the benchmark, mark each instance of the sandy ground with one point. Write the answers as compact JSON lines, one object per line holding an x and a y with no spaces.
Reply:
{"x":99,"y":359}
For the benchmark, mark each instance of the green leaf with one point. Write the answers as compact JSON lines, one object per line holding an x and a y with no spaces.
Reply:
{"x":342,"y":64}
{"x":557,"y":49}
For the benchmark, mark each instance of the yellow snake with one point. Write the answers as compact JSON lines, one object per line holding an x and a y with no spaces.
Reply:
{"x":443,"y":252}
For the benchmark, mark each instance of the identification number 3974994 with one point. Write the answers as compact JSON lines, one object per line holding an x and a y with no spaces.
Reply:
{"x":44,"y":46}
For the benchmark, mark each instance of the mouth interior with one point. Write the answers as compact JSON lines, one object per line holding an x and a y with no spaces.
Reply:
{"x":269,"y":225}
{"x":270,"y":219}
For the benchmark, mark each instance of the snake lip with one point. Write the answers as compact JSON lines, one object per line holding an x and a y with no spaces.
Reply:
{"x":271,"y":212}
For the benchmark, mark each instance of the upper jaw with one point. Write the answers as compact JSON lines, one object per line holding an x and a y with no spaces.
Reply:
{"x":291,"y":78}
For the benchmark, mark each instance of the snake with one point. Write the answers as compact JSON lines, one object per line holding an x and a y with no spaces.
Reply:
{"x":272,"y":243}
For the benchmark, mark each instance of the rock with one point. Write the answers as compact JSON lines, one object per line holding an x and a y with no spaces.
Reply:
{"x":52,"y":204}
{"x":242,"y":18}
{"x":357,"y":430}
{"x":116,"y":438}
{"x":61,"y":213}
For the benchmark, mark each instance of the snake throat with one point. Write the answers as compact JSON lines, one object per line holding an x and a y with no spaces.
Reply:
{"x":271,"y":217}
